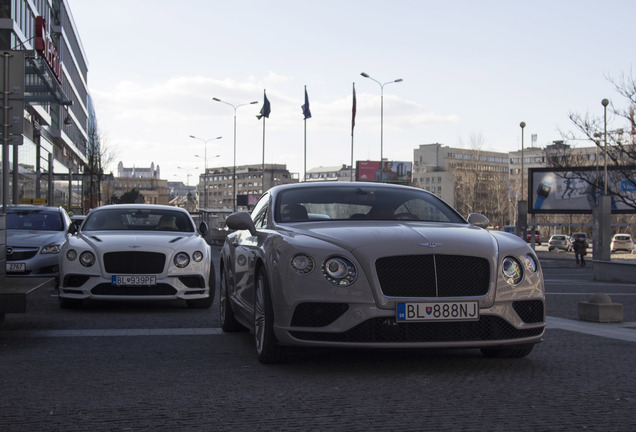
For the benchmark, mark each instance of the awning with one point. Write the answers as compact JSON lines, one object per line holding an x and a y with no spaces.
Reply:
{"x":40,"y":85}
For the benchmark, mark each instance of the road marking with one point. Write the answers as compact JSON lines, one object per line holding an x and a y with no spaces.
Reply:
{"x":625,"y":331}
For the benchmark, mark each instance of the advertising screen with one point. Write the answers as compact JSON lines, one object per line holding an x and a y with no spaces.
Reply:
{"x":575,"y":191}
{"x":387,"y":172}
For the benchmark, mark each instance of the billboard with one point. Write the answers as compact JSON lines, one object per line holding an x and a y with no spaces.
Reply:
{"x":575,"y":191}
{"x":387,"y":172}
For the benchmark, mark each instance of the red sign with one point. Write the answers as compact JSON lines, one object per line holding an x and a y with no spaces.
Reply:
{"x":44,"y":46}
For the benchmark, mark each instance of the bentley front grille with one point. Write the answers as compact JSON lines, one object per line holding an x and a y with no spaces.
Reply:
{"x":134,"y":262}
{"x":433,"y":276}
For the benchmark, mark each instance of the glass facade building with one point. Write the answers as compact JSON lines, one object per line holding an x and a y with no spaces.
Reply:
{"x":49,"y":165}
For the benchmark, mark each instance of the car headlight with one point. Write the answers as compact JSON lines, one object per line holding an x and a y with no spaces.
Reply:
{"x":181,"y":259}
{"x":52,"y":248}
{"x":531,"y":263}
{"x":71,"y":255}
{"x":87,"y":259}
{"x":339,"y":271}
{"x":197,"y":256}
{"x":302,"y":263}
{"x":512,"y":270}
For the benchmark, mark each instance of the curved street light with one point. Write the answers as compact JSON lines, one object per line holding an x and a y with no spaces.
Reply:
{"x":366,"y":75}
{"x":205,"y":175}
{"x":235,"y":107}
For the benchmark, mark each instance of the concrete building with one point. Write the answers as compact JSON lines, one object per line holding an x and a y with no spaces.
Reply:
{"x":448,"y":171}
{"x":53,"y":102}
{"x":143,"y":179}
{"x":216,"y":185}
{"x":331,"y":173}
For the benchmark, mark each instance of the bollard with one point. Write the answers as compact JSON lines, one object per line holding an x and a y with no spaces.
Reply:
{"x":601,"y":309}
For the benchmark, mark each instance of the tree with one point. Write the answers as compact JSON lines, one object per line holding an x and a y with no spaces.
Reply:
{"x":131,"y":197}
{"x":619,"y":144}
{"x":99,"y":155}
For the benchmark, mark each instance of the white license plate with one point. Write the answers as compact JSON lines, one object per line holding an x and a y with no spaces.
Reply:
{"x":16,"y":267}
{"x":134,"y":280}
{"x":455,"y":311}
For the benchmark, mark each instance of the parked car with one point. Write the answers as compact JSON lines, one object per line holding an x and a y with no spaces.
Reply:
{"x":622,"y":242}
{"x":537,"y":238}
{"x":35,"y":235}
{"x":390,"y":266}
{"x":137,"y":252}
{"x":559,"y":241}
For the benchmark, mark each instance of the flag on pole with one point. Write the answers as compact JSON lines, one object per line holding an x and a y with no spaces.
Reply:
{"x":266,"y":108}
{"x":305,"y":107}
{"x":353,"y":109}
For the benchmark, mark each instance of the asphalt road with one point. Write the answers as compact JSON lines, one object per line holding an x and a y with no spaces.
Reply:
{"x":147,"y":366}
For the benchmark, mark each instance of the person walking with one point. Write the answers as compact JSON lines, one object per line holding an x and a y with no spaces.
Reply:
{"x":582,"y":248}
{"x":575,"y":248}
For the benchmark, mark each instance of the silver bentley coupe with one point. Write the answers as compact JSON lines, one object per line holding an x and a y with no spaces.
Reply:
{"x":374,"y":265}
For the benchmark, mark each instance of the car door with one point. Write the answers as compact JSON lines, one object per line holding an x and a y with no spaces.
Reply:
{"x":244,"y":252}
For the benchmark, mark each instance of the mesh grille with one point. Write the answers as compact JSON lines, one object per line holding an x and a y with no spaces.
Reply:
{"x":317,"y":314}
{"x":530,"y":311}
{"x":382,"y":330}
{"x":134,"y":262}
{"x":433,"y":276}
{"x":21,"y":255}
{"x":136,"y":290}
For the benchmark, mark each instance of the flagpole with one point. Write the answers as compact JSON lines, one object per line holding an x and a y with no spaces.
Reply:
{"x":263,"y":163}
{"x":305,"y":160}
{"x":353,"y":122}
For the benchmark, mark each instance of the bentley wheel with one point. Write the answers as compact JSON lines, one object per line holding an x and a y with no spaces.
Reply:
{"x":267,"y":349}
{"x":226,"y":314}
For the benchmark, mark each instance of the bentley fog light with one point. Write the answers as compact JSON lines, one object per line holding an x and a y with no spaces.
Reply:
{"x":512,"y":270}
{"x":339,"y":271}
{"x":71,"y":255}
{"x":87,"y":259}
{"x":181,"y":259}
{"x":197,"y":256}
{"x":302,"y":263}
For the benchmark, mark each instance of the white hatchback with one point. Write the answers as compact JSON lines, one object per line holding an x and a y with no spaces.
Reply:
{"x":622,"y":242}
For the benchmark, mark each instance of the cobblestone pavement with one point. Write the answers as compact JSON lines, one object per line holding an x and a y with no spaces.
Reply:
{"x":194,"y":378}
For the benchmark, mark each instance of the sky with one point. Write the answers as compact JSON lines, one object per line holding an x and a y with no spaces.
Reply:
{"x":471,"y":71}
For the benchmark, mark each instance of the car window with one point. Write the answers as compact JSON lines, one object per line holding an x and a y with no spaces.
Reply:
{"x":40,"y":220}
{"x":349,"y":202}
{"x":139,"y":219}
{"x":259,"y":213}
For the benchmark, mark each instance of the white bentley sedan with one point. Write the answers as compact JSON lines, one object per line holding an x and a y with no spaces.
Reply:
{"x":137,"y":252}
{"x":373,"y":265}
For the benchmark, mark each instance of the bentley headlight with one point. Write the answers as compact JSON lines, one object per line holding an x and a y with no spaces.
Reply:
{"x":181,"y":259}
{"x":197,"y":256}
{"x":512,"y":270}
{"x":71,"y":255}
{"x":302,"y":264}
{"x":87,"y":259}
{"x":52,"y":248}
{"x":531,"y":263}
{"x":339,"y":271}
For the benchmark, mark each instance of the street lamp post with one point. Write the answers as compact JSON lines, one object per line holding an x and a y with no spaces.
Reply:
{"x":188,"y":175}
{"x":234,"y":164}
{"x":605,"y":102}
{"x":205,"y":165}
{"x":366,"y":75}
{"x":523,"y":125}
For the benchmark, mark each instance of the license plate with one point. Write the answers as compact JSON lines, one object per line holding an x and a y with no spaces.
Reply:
{"x":455,"y":311}
{"x":134,"y":280}
{"x":16,"y":267}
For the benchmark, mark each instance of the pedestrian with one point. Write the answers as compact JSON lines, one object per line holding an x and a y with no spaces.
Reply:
{"x":582,"y":248}
{"x":575,"y":248}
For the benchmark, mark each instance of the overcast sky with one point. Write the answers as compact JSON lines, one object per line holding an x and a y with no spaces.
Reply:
{"x":472,"y":71}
